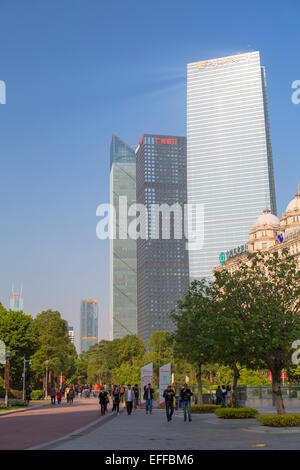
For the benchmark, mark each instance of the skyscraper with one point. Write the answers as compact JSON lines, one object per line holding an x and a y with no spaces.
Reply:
{"x":229,"y":153}
{"x":71,"y":333}
{"x":162,"y":260}
{"x":16,"y":301}
{"x":88,"y":323}
{"x":123,"y":303}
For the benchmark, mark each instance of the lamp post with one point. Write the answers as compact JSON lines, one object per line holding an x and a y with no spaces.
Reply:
{"x":24,"y":375}
{"x":46,"y":391}
{"x":7,"y":358}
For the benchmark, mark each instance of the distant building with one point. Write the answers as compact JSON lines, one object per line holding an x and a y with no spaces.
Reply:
{"x":16,"y":301}
{"x":88,"y":323}
{"x":71,"y":332}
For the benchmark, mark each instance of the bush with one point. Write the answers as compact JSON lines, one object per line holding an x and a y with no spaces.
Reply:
{"x":11,"y":393}
{"x":37,"y":395}
{"x":200,"y":409}
{"x":236,"y":413}
{"x":279,"y":421}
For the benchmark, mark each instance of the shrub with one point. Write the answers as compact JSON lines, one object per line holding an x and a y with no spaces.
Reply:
{"x":200,"y":409}
{"x":37,"y":395}
{"x":236,"y":413}
{"x":278,"y":421}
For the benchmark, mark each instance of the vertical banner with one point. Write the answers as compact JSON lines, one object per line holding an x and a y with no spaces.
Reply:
{"x":164,"y":381}
{"x":146,"y":378}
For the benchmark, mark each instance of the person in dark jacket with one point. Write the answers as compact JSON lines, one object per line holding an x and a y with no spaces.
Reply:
{"x":136,"y":396}
{"x":116,"y":399}
{"x":28,"y":394}
{"x":148,"y":396}
{"x":169,"y":396}
{"x":185,"y":395}
{"x":103,"y":397}
{"x":218,"y":395}
{"x":224,"y":393}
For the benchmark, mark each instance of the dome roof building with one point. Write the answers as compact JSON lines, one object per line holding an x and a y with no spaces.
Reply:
{"x":264,"y":233}
{"x":290,"y":220}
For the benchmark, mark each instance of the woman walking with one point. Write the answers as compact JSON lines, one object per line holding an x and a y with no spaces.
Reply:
{"x":116,"y":400}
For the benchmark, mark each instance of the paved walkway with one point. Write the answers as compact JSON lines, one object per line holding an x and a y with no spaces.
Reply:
{"x":23,"y":430}
{"x":152,"y":432}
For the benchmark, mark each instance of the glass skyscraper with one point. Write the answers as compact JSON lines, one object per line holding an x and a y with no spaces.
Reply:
{"x":88,"y":323}
{"x":229,"y":153}
{"x":162,"y":263}
{"x":123,"y":284}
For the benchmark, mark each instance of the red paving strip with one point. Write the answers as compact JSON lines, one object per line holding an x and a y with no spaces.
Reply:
{"x":28,"y":429}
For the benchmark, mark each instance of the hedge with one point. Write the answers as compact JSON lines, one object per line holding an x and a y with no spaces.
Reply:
{"x":200,"y":409}
{"x":37,"y":395}
{"x":236,"y":413}
{"x":280,"y":421}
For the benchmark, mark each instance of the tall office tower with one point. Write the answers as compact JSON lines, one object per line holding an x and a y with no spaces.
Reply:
{"x":229,"y":154}
{"x":88,"y":323}
{"x":71,"y":333}
{"x":123,"y":307}
{"x":16,"y":301}
{"x":162,"y":258}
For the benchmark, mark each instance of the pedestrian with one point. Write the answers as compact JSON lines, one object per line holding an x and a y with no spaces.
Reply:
{"x":148,"y":396}
{"x":67,"y":390}
{"x":52,"y":395}
{"x":129,"y":397}
{"x":136,"y":396}
{"x":96,"y":390}
{"x":71,"y":395}
{"x":116,"y":400}
{"x":103,"y":396}
{"x":28,"y":394}
{"x":224,"y":393}
{"x":59,"y":396}
{"x":122,"y":393}
{"x":218,"y":396}
{"x":169,"y":395}
{"x":186,"y":395}
{"x":228,"y":395}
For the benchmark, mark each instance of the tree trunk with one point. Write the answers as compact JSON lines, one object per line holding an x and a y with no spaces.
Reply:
{"x":199,"y":382}
{"x":236,"y":375}
{"x":276,"y":389}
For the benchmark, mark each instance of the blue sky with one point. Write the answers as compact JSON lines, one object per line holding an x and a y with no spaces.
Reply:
{"x":77,"y":71}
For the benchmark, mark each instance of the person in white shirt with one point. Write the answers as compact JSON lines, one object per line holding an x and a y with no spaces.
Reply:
{"x":129,"y":396}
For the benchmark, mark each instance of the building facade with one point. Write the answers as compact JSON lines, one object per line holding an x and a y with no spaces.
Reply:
{"x":16,"y":301}
{"x":271,"y":234}
{"x":71,"y":333}
{"x":162,"y":258}
{"x":229,"y":153}
{"x":123,"y":280}
{"x":88,"y":323}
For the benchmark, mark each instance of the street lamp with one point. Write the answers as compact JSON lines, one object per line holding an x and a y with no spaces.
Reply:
{"x":46,"y":391}
{"x":23,"y":375}
{"x":7,"y":358}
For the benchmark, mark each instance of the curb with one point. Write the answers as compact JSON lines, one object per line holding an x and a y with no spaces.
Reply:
{"x":77,"y":432}
{"x":21,"y":410}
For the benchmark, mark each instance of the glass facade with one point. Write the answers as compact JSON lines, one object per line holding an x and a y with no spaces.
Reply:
{"x":229,"y":154}
{"x":162,"y":263}
{"x":123,"y":284}
{"x":88,"y":324}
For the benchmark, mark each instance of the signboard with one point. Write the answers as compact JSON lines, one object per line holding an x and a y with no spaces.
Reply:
{"x":146,"y":378}
{"x":280,"y":237}
{"x":222,"y":257}
{"x":2,"y":352}
{"x":164,"y":381}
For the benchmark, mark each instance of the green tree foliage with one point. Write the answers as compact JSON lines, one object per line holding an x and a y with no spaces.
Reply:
{"x":52,"y":343}
{"x":15,"y":332}
{"x":266,"y":319}
{"x":193,"y":338}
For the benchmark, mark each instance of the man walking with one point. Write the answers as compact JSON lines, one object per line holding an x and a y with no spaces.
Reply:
{"x":186,"y":394}
{"x":103,"y":397}
{"x":136,"y":396}
{"x":169,"y":395}
{"x":52,"y":395}
{"x":148,"y":396}
{"x":129,"y":397}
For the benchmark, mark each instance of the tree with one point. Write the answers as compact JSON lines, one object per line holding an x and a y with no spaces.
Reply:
{"x":267,"y":318}
{"x":15,"y":332}
{"x":52,"y":343}
{"x":193,"y":339}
